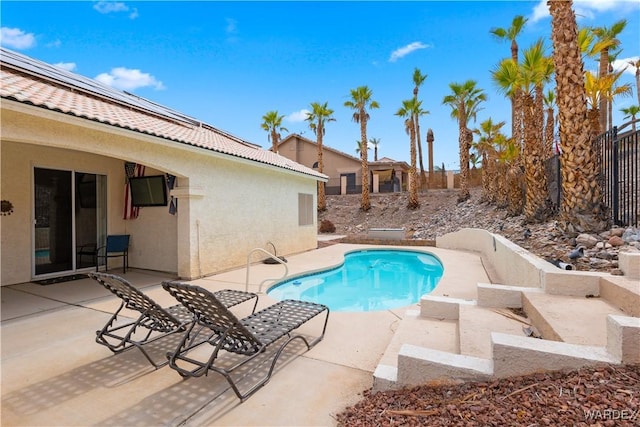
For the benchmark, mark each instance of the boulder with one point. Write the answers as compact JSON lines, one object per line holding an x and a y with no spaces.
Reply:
{"x":615,"y":241}
{"x":586,"y":240}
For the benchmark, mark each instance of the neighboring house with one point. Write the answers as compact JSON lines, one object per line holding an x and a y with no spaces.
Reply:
{"x":345,"y":171}
{"x":64,"y":145}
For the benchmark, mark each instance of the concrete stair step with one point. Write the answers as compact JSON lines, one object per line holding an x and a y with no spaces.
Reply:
{"x":423,"y":332}
{"x":417,"y":331}
{"x":575,"y":320}
{"x":476,"y":324}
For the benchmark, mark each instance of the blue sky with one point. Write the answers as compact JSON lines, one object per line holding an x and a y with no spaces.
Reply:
{"x":228,"y":63}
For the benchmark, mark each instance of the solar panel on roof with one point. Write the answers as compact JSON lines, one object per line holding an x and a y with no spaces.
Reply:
{"x":76,"y":81}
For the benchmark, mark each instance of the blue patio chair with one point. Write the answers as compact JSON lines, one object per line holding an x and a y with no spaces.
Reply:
{"x":117,"y":247}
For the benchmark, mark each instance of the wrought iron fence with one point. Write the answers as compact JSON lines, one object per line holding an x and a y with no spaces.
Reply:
{"x":619,"y":163}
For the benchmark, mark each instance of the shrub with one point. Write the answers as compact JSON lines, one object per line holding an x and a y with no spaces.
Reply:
{"x":327,"y":226}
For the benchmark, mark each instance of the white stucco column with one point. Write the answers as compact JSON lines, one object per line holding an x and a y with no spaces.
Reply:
{"x":343,"y":184}
{"x":376,"y":183}
{"x":188,"y":230}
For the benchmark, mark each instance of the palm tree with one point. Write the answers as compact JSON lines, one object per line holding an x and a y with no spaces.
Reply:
{"x":581,"y":207}
{"x":409,"y":112}
{"x":361,"y":100}
{"x":630,"y":113}
{"x":359,"y":146}
{"x":597,"y":88}
{"x":636,"y":64}
{"x":272,"y":123}
{"x":487,"y":133}
{"x":537,"y":70}
{"x":511,"y":34}
{"x":528,"y":79}
{"x":418,"y":80}
{"x":319,"y":115}
{"x":511,"y":169}
{"x":613,"y":56}
{"x":508,"y":77}
{"x":608,"y":37}
{"x":464,"y":101}
{"x":507,"y":151}
{"x":375,"y":142}
{"x":549,"y":130}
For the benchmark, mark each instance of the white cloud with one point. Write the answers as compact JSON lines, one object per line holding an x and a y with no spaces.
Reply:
{"x":586,"y":8}
{"x":601,"y":5}
{"x":110,"y":7}
{"x":115,"y":7}
{"x":69,"y":66}
{"x":55,"y":43}
{"x":232,"y":26}
{"x":541,"y":11}
{"x":16,"y":38}
{"x":129,"y":79}
{"x":624,"y":64}
{"x":405,"y":50}
{"x":298,"y":116}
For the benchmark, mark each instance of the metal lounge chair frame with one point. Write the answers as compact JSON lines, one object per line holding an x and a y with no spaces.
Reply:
{"x":154,"y":321}
{"x":248,"y":337}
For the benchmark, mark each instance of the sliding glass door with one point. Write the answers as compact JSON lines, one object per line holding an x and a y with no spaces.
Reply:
{"x":69,"y":220}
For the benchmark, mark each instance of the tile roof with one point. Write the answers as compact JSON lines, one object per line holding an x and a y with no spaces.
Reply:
{"x":30,"y":81}
{"x":324,"y":146}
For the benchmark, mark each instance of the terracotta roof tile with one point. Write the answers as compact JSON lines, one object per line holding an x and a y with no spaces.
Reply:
{"x":23,"y":85}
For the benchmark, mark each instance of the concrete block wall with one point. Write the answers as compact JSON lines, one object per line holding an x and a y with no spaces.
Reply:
{"x":501,"y":296}
{"x":629,"y":263}
{"x":623,"y":338}
{"x":514,"y":355}
{"x":445,"y":308}
{"x":622,"y":293}
{"x":571,"y":283}
{"x":515,"y":266}
{"x":385,"y":377}
{"x":419,"y":365}
{"x":511,"y":356}
{"x":512,"y":264}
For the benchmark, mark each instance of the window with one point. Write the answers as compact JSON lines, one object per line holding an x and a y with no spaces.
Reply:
{"x":305,"y":209}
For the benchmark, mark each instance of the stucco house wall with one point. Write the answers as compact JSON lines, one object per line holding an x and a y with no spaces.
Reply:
{"x":334,"y":162}
{"x":229,"y":202}
{"x":337,"y":163}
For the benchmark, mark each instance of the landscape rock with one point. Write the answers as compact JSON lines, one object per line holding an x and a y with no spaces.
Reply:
{"x":615,"y":241}
{"x":584,"y":397}
{"x":631,"y":235}
{"x":617,"y":231}
{"x":439,"y":214}
{"x":586,"y":240}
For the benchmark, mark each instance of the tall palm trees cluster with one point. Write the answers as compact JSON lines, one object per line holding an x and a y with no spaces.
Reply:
{"x":513,"y":167}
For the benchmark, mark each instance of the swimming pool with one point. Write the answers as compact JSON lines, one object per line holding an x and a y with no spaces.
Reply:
{"x":368,"y":280}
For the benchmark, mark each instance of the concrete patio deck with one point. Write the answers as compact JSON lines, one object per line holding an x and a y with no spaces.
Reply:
{"x":53,"y":372}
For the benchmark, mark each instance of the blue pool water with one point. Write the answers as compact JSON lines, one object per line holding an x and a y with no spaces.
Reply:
{"x":369,"y":280}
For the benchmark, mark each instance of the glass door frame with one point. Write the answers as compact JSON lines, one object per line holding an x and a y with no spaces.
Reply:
{"x":101,"y":218}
